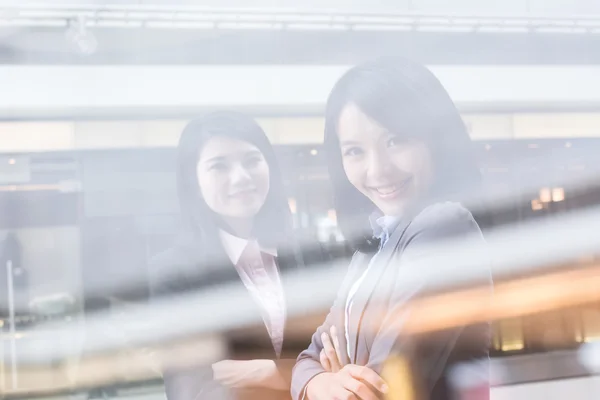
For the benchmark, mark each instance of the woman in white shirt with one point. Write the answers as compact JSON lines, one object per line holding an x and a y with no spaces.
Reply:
{"x":238,"y":230}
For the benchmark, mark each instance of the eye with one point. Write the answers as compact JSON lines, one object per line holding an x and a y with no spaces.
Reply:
{"x":352,"y":151}
{"x":252,"y":162}
{"x":219,"y":166}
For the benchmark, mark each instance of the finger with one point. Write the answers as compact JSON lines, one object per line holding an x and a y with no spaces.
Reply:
{"x":325,"y":361}
{"x":330,"y":352}
{"x":336,"y":345}
{"x":343,"y":393}
{"x":367,"y":375}
{"x":360,"y":389}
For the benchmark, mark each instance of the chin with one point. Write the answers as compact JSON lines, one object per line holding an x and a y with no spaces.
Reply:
{"x":247,"y":212}
{"x":393,"y":210}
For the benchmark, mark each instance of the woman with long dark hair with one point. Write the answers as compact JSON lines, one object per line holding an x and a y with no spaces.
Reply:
{"x":402,"y":172}
{"x":238,"y":229}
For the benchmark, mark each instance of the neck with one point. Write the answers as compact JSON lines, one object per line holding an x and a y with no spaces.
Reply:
{"x":241,"y":227}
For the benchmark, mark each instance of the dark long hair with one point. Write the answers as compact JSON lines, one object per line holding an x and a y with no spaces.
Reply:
{"x":409,"y":101}
{"x":272,"y":224}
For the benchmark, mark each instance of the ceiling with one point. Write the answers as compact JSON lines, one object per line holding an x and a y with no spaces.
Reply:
{"x":481,"y":7}
{"x":310,"y":31}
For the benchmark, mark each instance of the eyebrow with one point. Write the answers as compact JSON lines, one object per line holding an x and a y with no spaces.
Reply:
{"x":215,"y":159}
{"x":224,"y":158}
{"x":349,"y":143}
{"x":253,"y":153}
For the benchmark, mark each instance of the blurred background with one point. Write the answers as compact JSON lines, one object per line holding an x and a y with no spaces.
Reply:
{"x":94,"y":96}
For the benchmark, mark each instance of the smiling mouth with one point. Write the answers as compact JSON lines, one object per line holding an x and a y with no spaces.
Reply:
{"x":391,"y":191}
{"x":243,"y":192}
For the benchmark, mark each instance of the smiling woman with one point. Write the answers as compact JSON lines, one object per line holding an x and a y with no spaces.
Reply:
{"x":239,"y":230}
{"x":400,"y":163}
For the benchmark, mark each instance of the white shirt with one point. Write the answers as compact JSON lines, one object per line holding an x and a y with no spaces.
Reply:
{"x":382,"y":228}
{"x":258,"y":271}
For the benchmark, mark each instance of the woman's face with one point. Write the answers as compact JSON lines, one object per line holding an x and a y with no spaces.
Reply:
{"x":391,"y":172}
{"x":233,"y":177}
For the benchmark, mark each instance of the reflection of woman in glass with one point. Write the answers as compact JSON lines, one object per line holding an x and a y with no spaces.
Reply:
{"x":232,"y":198}
{"x":399,"y":160}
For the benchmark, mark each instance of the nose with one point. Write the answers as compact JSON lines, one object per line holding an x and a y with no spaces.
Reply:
{"x":379,"y":166}
{"x":239,"y":175}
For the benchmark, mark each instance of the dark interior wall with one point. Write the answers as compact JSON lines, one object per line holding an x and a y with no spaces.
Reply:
{"x":127,"y":209}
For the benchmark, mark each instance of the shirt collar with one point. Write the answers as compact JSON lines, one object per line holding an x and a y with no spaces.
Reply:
{"x":383,"y":226}
{"x":234,"y":246}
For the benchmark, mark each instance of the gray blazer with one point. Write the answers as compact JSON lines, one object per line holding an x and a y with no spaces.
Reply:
{"x":408,"y":256}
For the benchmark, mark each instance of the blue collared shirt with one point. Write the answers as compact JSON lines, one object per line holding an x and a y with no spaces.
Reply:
{"x":383,"y":226}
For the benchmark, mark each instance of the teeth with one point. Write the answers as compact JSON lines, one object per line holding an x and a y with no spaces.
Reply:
{"x":387,"y":189}
{"x":240,"y":192}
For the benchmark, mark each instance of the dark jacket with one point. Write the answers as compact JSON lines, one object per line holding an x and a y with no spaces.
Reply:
{"x":186,"y":267}
{"x":404,"y":270}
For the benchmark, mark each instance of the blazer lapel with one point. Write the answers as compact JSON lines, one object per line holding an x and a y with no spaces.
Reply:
{"x":368,"y":286}
{"x":286,"y":261}
{"x":357,"y":267}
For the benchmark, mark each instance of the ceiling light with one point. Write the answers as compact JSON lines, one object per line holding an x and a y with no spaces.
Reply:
{"x":332,"y":215}
{"x":33,"y":22}
{"x":557,"y":29}
{"x":303,"y":18}
{"x":450,"y":28}
{"x":536,"y":205}
{"x":434,"y":21}
{"x":292,"y":205}
{"x":558,"y":194}
{"x":588,"y":23}
{"x":147,"y":15}
{"x":515,"y":22}
{"x":545,"y":195}
{"x":381,"y":20}
{"x":116,"y":24}
{"x":367,"y":27}
{"x":250,"y":25}
{"x":318,"y":27}
{"x":179,"y":25}
{"x":502,"y":29}
{"x":47,"y":14}
{"x":514,"y":346}
{"x":552,"y":22}
{"x":111,"y":14}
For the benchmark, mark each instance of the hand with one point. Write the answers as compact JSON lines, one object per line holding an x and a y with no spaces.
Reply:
{"x":331,"y":355}
{"x":353,"y":382}
{"x":251,"y":373}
